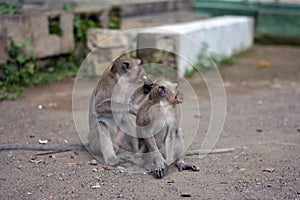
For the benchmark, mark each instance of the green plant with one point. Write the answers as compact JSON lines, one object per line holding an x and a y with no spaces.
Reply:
{"x":18,"y":69}
{"x":57,"y":70}
{"x":54,"y":26}
{"x":209,"y":60}
{"x":82,"y":23}
{"x":115,"y":18}
{"x":8,"y":8}
{"x":69,"y":6}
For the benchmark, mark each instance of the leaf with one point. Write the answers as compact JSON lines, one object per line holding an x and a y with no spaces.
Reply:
{"x":97,"y":186}
{"x":29,"y":48}
{"x":27,"y":39}
{"x":21,"y":58}
{"x":30,"y":67}
{"x":18,"y":44}
{"x":269,"y":169}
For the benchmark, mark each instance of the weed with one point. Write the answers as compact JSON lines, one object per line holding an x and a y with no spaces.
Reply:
{"x":209,"y":60}
{"x":82,"y":23}
{"x":8,"y":8}
{"x":20,"y":70}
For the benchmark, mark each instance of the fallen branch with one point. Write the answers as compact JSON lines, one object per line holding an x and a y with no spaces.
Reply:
{"x":207,"y":151}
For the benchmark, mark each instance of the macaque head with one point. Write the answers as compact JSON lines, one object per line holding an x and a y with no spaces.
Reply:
{"x":168,"y":92}
{"x":127,"y":67}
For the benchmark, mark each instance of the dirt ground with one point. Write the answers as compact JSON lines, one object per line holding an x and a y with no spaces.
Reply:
{"x":262,"y":123}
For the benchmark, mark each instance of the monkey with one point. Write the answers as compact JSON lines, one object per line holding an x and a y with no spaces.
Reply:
{"x":157,"y":126}
{"x":122,"y":139}
{"x":114,"y":97}
{"x":126,"y":74}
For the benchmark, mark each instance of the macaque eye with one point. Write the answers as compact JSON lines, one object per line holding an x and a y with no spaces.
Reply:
{"x":125,"y":66}
{"x":161,"y":91}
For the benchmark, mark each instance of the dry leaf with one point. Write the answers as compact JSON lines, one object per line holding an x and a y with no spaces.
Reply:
{"x":52,"y":105}
{"x":186,"y":195}
{"x":264,"y":63}
{"x":97,"y":186}
{"x":268,"y":169}
{"x":43,"y":141}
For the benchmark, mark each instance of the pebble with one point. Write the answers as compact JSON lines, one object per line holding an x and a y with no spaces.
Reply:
{"x":186,"y":195}
{"x":95,"y":170}
{"x":93,"y":162}
{"x":120,"y":168}
{"x":259,"y":130}
{"x":298,"y":128}
{"x":20,"y":166}
{"x":40,"y":107}
{"x":120,"y":196}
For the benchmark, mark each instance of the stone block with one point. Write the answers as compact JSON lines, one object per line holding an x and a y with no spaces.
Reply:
{"x":105,"y":46}
{"x":227,"y":35}
{"x":36,"y":26}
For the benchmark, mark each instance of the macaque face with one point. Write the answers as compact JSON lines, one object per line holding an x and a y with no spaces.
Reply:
{"x":170,"y":92}
{"x":131,"y":70}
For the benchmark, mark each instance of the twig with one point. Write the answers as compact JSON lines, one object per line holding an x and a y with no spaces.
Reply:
{"x":207,"y":151}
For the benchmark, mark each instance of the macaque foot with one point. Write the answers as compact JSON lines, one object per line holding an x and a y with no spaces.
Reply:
{"x":113,"y":161}
{"x":185,"y":166}
{"x":159,"y":172}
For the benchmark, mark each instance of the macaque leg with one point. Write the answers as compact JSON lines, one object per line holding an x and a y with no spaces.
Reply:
{"x":159,"y":169}
{"x":170,"y":144}
{"x":117,"y":140}
{"x":106,"y":146}
{"x":179,"y":153}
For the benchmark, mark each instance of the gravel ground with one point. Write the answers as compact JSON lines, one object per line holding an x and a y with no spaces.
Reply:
{"x":262,"y":123}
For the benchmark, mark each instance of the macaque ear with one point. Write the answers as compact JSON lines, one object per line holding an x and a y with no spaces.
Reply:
{"x":125,"y":66}
{"x":161,"y":91}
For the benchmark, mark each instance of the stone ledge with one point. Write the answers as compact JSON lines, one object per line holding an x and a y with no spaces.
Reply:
{"x":227,"y":35}
{"x":18,"y":27}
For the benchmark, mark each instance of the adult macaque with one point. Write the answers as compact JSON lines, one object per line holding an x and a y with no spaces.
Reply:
{"x":119,"y":91}
{"x":115,"y":96}
{"x":157,"y":124}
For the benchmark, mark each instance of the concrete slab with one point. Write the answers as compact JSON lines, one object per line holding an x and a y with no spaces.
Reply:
{"x":226,"y":35}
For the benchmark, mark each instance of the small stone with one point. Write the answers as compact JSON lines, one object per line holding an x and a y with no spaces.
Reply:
{"x":197,"y":116}
{"x":43,"y":141}
{"x":40,"y":107}
{"x":20,"y":166}
{"x":95,"y":170}
{"x":259,"y":130}
{"x":120,"y":167}
{"x":298,"y":128}
{"x":93,"y":162}
{"x":52,"y":156}
{"x":170,"y":181}
{"x":276,"y":86}
{"x":120,"y":196}
{"x":97,"y":186}
{"x":10,"y":155}
{"x":260,"y":102}
{"x":186,"y":195}
{"x":269,"y":169}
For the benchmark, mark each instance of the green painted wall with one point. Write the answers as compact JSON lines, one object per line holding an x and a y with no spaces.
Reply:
{"x":270,"y":18}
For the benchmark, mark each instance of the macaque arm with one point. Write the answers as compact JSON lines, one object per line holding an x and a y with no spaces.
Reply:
{"x":170,"y":144}
{"x":138,"y":96}
{"x":106,"y":107}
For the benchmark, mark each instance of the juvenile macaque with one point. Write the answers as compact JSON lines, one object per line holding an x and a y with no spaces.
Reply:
{"x":115,"y":96}
{"x":122,"y":139}
{"x":157,"y":124}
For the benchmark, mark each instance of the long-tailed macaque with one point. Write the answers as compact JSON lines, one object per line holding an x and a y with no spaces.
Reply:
{"x":126,"y":76}
{"x":157,"y":125}
{"x":115,"y":96}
